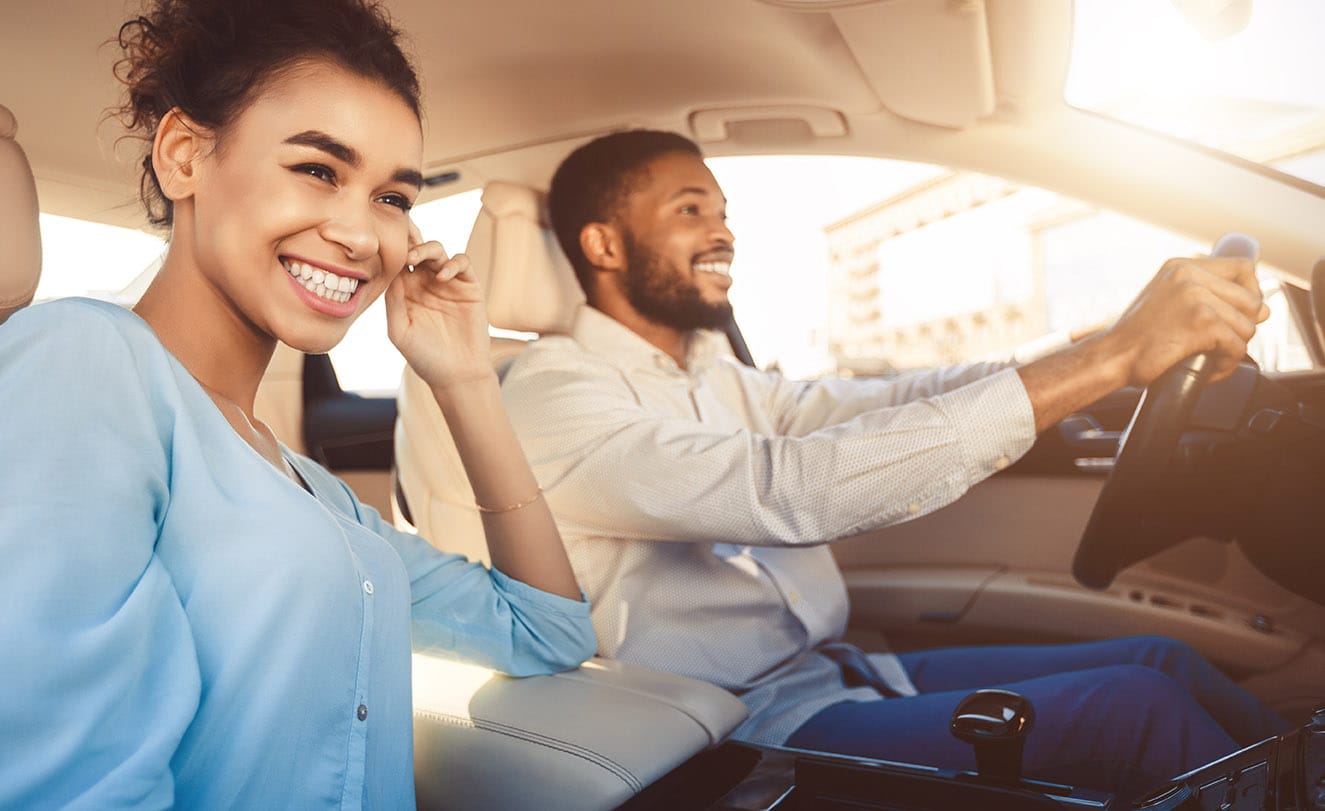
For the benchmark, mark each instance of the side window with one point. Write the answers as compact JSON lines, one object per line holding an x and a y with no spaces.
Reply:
{"x":366,"y":361}
{"x":969,"y":267}
{"x":861,"y":266}
{"x":82,"y":258}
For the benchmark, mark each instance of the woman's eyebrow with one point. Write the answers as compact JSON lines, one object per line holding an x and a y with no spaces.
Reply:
{"x":409,"y":177}
{"x":347,"y":154}
{"x":320,"y":140}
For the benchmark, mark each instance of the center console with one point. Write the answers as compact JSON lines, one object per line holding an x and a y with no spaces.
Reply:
{"x":1286,"y":773}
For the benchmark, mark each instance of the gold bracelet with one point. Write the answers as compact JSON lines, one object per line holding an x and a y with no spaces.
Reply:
{"x":513,"y":507}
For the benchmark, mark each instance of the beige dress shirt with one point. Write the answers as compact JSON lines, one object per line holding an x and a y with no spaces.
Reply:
{"x":696,"y":503}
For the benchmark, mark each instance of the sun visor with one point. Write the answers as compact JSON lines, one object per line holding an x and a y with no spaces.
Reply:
{"x":953,"y":62}
{"x":927,"y":60}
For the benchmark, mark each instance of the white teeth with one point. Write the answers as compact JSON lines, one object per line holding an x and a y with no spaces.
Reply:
{"x":323,"y":283}
{"x":721,"y":268}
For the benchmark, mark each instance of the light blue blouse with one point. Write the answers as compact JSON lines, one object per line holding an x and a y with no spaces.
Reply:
{"x":180,"y":624}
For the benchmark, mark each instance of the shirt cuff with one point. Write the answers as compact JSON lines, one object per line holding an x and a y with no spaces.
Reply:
{"x":525,"y":594}
{"x":995,"y":421}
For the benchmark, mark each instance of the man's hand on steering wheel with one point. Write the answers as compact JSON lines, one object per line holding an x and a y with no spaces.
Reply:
{"x":1206,"y":304}
{"x":1191,"y":306}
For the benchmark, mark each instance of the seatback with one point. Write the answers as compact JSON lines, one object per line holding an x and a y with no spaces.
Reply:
{"x":529,"y":287}
{"x":20,"y":232}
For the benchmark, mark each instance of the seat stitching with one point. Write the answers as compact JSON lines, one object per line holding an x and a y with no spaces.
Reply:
{"x":621,"y":772}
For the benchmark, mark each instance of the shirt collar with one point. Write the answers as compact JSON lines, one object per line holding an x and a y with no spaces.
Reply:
{"x":604,"y":335}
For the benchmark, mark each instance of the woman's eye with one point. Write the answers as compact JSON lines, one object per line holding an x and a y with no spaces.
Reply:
{"x":399,"y":201}
{"x":317,"y":170}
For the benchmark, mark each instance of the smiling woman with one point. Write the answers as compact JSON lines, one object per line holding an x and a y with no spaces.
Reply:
{"x":202,"y":617}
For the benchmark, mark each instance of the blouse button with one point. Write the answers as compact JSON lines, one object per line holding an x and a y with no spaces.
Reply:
{"x":362,"y":712}
{"x":368,"y":586}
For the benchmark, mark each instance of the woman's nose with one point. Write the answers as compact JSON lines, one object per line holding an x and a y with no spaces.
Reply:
{"x":353,"y":231}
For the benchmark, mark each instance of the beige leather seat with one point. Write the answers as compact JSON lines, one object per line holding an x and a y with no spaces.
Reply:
{"x":20,"y":234}
{"x":584,"y":740}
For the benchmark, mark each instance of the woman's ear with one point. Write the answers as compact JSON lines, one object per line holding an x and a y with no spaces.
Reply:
{"x":177,"y":150}
{"x":603,"y":246}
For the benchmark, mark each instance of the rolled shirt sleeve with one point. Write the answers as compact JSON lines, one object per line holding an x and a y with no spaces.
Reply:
{"x":465,"y":610}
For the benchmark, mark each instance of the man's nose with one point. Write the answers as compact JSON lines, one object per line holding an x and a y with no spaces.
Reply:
{"x":722,"y":232}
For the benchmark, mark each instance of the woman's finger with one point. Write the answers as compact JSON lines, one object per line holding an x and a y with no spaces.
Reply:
{"x":428,"y":253}
{"x":453,"y":267}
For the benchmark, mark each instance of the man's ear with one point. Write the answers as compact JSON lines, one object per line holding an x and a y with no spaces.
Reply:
{"x":603,"y":246}
{"x":177,"y":151}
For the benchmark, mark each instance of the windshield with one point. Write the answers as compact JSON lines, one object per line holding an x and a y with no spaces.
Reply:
{"x":1251,"y":89}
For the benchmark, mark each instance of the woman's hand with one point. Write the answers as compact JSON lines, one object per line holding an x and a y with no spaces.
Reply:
{"x":436,"y":318}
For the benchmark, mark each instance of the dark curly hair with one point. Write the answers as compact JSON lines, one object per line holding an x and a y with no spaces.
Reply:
{"x":591,"y":184}
{"x":210,"y":58}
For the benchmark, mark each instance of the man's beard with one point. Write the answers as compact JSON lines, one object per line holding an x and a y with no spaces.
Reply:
{"x":668,"y":298}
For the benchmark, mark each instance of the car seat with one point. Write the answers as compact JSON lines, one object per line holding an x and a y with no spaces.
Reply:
{"x":20,"y":233}
{"x":588,"y":739}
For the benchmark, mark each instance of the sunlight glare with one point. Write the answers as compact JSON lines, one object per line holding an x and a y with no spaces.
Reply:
{"x":446,"y":687}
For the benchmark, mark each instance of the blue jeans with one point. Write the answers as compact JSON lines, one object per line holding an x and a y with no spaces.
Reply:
{"x":1120,"y":715}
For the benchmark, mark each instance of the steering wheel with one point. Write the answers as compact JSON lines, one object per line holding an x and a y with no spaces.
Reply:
{"x":1126,"y":525}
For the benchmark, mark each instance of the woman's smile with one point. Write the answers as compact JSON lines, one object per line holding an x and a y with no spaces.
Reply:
{"x":331,"y":292}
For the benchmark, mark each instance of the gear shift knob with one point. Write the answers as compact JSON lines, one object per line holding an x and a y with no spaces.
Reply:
{"x":996,"y":723}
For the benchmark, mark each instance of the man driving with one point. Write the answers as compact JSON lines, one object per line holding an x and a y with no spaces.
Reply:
{"x":697,"y":496}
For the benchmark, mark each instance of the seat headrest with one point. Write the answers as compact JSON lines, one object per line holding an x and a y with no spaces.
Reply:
{"x":20,"y":231}
{"x":527,"y":280}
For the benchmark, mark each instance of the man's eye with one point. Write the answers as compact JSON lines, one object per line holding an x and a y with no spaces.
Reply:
{"x":317,"y":170}
{"x":689,"y":210}
{"x":398,"y":200}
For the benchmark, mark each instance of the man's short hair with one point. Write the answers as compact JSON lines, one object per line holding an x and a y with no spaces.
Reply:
{"x":592,"y":183}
